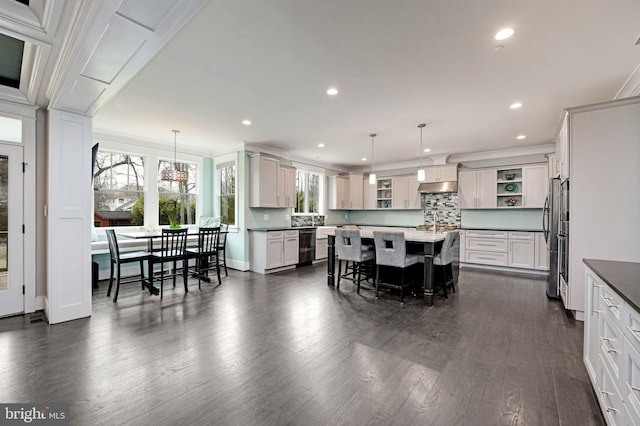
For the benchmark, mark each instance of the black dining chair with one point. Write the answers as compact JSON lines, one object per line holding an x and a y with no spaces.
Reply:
{"x":117,"y":259}
{"x":205,"y":254}
{"x":222,"y":246}
{"x":172,"y":249}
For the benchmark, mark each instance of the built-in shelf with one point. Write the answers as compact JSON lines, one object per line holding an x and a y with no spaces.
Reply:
{"x":384,"y":193}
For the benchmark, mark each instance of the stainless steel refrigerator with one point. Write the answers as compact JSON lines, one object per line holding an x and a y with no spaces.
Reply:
{"x":550,"y":226}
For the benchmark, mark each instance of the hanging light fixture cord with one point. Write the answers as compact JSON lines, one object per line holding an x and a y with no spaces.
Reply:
{"x":175,"y":149}
{"x":421,"y":126}
{"x":373,"y":135}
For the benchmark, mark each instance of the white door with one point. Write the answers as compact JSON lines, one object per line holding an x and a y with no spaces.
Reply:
{"x":11,"y":236}
{"x":487,"y":189}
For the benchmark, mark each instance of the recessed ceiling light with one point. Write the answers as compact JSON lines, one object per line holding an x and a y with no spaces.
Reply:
{"x":427,"y":150}
{"x":520,"y":137}
{"x":504,"y":33}
{"x":498,"y":47}
{"x":364,"y":158}
{"x":320,"y":145}
{"x":246,"y":122}
{"x":515,"y":105}
{"x":332,"y":91}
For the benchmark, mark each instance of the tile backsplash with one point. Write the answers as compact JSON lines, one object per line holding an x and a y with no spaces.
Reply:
{"x":445,"y":204}
{"x":306,"y":220}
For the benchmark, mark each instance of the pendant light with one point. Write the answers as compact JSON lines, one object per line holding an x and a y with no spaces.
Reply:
{"x":421,"y":176}
{"x":175,"y":175}
{"x":372,"y":176}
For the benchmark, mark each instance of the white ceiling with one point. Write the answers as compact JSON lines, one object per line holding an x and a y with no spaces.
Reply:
{"x":395,"y":63}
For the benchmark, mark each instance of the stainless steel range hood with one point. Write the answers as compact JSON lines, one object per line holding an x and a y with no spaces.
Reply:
{"x":438,"y":187}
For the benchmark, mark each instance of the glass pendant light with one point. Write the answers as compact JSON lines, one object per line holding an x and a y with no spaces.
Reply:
{"x":372,"y":176}
{"x":421,"y":176}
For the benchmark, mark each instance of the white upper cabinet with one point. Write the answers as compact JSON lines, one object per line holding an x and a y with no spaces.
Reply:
{"x":477,"y":189}
{"x":356,"y":192}
{"x":562,"y":148}
{"x":369,"y":195}
{"x":346,"y":192}
{"x":286,"y":187}
{"x":263,"y":181}
{"x":534,"y":183}
{"x":444,"y":173}
{"x":338,"y":193}
{"x":405,"y":193}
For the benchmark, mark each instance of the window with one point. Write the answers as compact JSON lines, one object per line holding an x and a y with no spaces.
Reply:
{"x":227,"y":192}
{"x":177,"y":197}
{"x":308,"y":190}
{"x":118,"y":184}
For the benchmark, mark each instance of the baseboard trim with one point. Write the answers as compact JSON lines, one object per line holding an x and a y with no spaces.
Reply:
{"x":504,"y":269}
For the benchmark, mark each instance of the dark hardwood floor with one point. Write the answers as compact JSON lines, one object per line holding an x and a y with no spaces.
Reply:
{"x":287,"y":349}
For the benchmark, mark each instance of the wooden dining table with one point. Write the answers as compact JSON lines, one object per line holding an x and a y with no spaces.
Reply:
{"x":426,"y":242}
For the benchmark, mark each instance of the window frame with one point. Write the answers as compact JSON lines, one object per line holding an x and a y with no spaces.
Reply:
{"x":218,"y":161}
{"x":321,"y":193}
{"x":152,"y":154}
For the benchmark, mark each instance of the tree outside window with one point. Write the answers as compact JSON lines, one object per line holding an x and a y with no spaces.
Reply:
{"x":227,"y":195}
{"x":308,"y":189}
{"x":118,"y":184}
{"x":177,"y":197}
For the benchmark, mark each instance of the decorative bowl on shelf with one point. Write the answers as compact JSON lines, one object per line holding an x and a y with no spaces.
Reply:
{"x":509,"y":176}
{"x":511,"y":202}
{"x":510,"y":187}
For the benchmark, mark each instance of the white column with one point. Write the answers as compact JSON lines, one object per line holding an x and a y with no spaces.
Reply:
{"x":69,"y":217}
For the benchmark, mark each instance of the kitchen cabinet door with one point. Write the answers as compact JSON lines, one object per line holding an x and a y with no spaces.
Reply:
{"x":414,"y":198}
{"x":291,"y":249}
{"x":535,"y":185}
{"x":521,"y":249}
{"x":338,"y":193}
{"x":444,"y":173}
{"x":275,"y":253}
{"x":487,"y":192}
{"x":542,"y":254}
{"x":369,"y":195}
{"x":286,"y":186}
{"x":263,"y":181}
{"x":356,"y":192}
{"x":399,"y":195}
{"x":467,"y":182}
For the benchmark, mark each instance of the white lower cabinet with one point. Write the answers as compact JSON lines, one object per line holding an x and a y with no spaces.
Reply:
{"x":291,"y":249}
{"x":275,"y":251}
{"x":542,"y":254}
{"x":322,"y":248}
{"x":272,"y":250}
{"x":612,"y":351}
{"x":521,"y":249}
{"x":515,"y":249}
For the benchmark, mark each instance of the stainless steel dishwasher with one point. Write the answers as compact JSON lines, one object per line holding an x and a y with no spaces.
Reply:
{"x":307,"y":246}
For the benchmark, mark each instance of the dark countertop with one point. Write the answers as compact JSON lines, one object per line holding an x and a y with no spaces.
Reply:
{"x":283,"y":228}
{"x":622,"y":277}
{"x":501,"y":229}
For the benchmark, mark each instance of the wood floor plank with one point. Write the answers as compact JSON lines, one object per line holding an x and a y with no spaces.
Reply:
{"x":287,"y":349}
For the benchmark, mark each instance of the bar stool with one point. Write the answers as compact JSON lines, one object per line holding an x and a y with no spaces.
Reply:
{"x":391,"y":251}
{"x":444,"y":261}
{"x":350,"y":249}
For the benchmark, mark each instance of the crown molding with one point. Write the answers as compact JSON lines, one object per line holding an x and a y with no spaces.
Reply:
{"x":146,"y":143}
{"x":631,"y":87}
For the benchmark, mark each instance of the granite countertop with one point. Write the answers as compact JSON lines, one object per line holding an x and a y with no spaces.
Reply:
{"x":412,"y":236}
{"x":287,"y":228}
{"x":501,"y":229}
{"x":622,"y":277}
